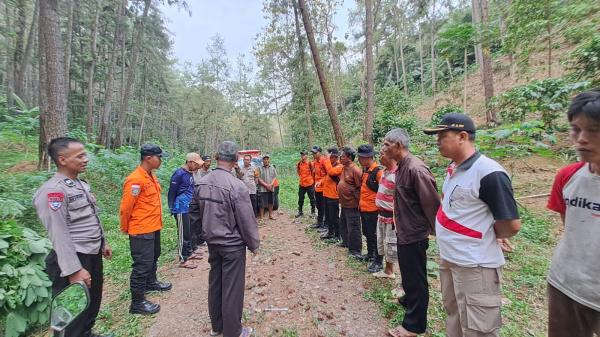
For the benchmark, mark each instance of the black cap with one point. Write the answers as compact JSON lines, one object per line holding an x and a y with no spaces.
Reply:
{"x":302,"y":152}
{"x":151,"y":150}
{"x":453,"y":121}
{"x":205,"y":158}
{"x":316,"y":149}
{"x":365,"y":150}
{"x":333,"y":151}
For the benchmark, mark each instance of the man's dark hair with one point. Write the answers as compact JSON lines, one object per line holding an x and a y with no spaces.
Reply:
{"x":587,"y":103}
{"x":58,"y":145}
{"x":349,"y":152}
{"x":247,"y":156}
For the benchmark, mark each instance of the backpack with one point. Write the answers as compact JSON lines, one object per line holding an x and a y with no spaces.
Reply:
{"x":372,"y":182}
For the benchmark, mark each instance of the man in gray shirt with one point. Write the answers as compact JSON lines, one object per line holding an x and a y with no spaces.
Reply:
{"x":221,"y":203}
{"x":266,"y":188}
{"x":248,"y":175}
{"x":68,"y":211}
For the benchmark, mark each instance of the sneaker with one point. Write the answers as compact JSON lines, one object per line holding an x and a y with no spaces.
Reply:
{"x":374,"y":267}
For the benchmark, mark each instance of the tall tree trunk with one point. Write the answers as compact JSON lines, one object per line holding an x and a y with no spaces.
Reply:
{"x":21,"y":77}
{"x":9,"y":61}
{"x":103,"y":134}
{"x":464,"y":100}
{"x":18,"y":53}
{"x":449,"y":66}
{"x":549,"y":35}
{"x":277,"y":113}
{"x":432,"y":38}
{"x":53,"y":109}
{"x":476,"y":18}
{"x":402,"y":61}
{"x":131,"y":76}
{"x":305,"y":84}
{"x":67,"y":54}
{"x":145,"y":91}
{"x":486,"y":65}
{"x":370,"y":117}
{"x":335,"y":123}
{"x":90,"y":90}
{"x":421,"y":61}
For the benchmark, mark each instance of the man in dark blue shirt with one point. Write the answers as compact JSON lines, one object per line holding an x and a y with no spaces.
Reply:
{"x":180,"y":194}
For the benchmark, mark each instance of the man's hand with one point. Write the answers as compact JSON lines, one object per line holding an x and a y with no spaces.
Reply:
{"x":81,"y":275}
{"x":107,"y":252}
{"x":505,"y":245}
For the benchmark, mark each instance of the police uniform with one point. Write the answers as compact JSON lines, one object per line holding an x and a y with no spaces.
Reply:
{"x":68,"y":211}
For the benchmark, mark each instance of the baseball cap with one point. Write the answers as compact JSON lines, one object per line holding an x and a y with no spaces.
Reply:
{"x":266,"y":155}
{"x":453,"y":121}
{"x":228,"y":151}
{"x":205,"y":158}
{"x":333,"y":151}
{"x":303,"y":152}
{"x":316,"y":149}
{"x":365,"y":150}
{"x":151,"y":150}
{"x":193,"y":156}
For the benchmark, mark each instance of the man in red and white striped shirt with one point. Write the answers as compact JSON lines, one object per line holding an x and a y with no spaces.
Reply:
{"x":386,"y":236}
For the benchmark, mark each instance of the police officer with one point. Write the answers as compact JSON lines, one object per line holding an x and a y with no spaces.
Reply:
{"x":68,"y":211}
{"x":141,"y":219}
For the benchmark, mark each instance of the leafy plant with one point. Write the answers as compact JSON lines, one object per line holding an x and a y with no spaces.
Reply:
{"x":547,"y":98}
{"x":393,"y":111}
{"x":436,"y":118}
{"x":24,"y":286}
{"x":585,"y":62}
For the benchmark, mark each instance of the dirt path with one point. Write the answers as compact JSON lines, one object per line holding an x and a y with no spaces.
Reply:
{"x":323,"y":295}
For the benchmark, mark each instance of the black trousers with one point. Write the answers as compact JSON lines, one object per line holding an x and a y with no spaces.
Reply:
{"x":83,"y":325}
{"x":184,"y":236}
{"x":226,"y":283}
{"x":369,"y":227}
{"x":320,"y":204}
{"x":254,"y":201}
{"x":350,"y":229}
{"x":196,"y":235}
{"x":333,"y":216}
{"x":311,"y":196}
{"x":145,"y":251}
{"x":412,"y":259}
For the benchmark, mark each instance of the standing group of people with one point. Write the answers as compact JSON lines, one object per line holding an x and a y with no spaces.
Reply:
{"x":397,"y":207}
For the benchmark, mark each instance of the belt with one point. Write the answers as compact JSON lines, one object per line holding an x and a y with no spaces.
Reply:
{"x":386,"y":214}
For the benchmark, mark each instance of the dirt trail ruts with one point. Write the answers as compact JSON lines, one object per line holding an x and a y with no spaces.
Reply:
{"x":322,"y":294}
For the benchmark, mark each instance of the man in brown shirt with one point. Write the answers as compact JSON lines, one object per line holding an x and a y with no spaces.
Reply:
{"x":349,"y":193}
{"x":221,"y":203}
{"x":416,"y":202}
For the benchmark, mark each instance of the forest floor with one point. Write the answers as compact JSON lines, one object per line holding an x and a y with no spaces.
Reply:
{"x":295,"y":286}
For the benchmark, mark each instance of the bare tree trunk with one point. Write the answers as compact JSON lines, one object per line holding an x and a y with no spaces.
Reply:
{"x":486,"y":66}
{"x":21,"y":78}
{"x":131,"y":76}
{"x":53,"y":109}
{"x":103,"y":134}
{"x":67,"y":55}
{"x":18,"y":53}
{"x":449,"y":69}
{"x":145,"y":90}
{"x":396,"y":65}
{"x":9,"y":81}
{"x":421,"y":60}
{"x":370,"y":117}
{"x":401,"y":40}
{"x":433,"y":70}
{"x":305,"y":84}
{"x":476,"y":17}
{"x":549,"y":32}
{"x":464,"y":100}
{"x":89,"y":126}
{"x":335,"y":123}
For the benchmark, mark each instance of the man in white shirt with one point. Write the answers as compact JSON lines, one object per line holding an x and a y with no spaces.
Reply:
{"x":478,"y":208}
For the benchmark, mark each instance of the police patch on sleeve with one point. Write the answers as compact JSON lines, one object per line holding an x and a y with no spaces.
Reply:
{"x":55,"y":200}
{"x":135,"y":190}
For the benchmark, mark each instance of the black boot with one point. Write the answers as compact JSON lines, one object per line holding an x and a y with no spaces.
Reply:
{"x":377,"y":263}
{"x":300,"y":214}
{"x":139,"y":305}
{"x":158,"y":286}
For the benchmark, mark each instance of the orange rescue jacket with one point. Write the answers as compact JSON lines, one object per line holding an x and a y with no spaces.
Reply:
{"x":141,"y":209}
{"x":305,"y":174}
{"x":329,"y":185}
{"x":320,"y":173}
{"x":367,"y":195}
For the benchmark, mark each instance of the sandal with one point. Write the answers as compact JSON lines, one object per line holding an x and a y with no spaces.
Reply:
{"x":397,"y":332}
{"x":196,"y":256}
{"x":382,"y":274}
{"x":187,"y":265}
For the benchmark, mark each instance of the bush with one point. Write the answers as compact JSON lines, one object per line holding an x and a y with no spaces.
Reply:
{"x":585,"y":62}
{"x":436,"y":118}
{"x":393,"y":111}
{"x":24,"y":286}
{"x":545,"y":99}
